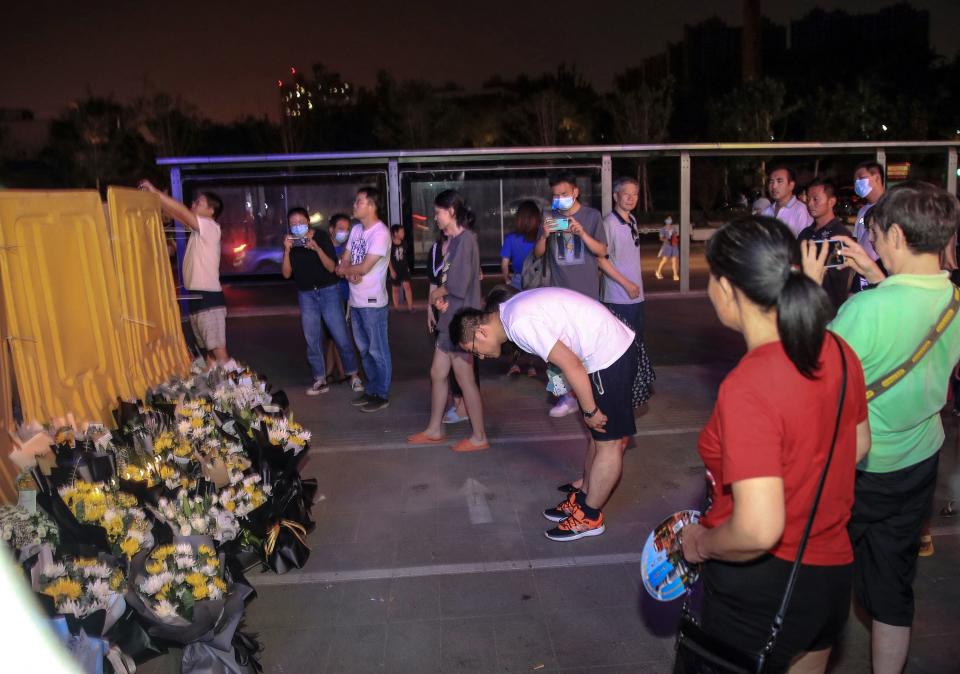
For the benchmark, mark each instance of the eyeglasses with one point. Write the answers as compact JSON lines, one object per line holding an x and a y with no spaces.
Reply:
{"x":473,"y":349}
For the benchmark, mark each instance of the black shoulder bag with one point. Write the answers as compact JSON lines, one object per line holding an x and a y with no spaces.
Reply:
{"x":702,"y":653}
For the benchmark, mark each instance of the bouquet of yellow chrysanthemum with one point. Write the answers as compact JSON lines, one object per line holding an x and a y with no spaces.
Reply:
{"x":286,"y":433}
{"x":176,"y":577}
{"x":127,"y":526}
{"x":82,"y":586}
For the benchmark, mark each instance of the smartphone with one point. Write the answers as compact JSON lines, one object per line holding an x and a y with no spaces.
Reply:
{"x":300,"y":243}
{"x":835,"y":256}
{"x":561,"y":224}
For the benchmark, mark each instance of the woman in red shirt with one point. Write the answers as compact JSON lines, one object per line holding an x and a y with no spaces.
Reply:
{"x":765,"y":447}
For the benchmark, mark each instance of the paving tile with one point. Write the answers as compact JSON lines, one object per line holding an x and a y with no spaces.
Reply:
{"x":364,"y":602}
{"x":579,"y":588}
{"x":293,"y":651}
{"x":294,"y":606}
{"x":616,"y":637}
{"x":414,"y":647}
{"x":523,"y":643}
{"x":468,"y":646}
{"x":415,"y":598}
{"x":357,"y":649}
{"x":487,"y":594}
{"x":350,"y":557}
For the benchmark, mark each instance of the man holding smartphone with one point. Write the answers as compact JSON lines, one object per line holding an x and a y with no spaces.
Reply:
{"x":572,"y":238}
{"x":821,"y":202}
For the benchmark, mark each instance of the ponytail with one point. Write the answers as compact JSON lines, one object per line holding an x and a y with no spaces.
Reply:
{"x":761,"y":257}
{"x":454,"y":200}
{"x":803,"y":311}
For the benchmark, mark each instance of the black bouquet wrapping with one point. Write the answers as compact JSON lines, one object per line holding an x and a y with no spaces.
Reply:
{"x":76,"y":538}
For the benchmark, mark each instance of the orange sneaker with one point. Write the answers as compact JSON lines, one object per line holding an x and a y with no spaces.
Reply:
{"x":563,"y":509}
{"x":577,"y":525}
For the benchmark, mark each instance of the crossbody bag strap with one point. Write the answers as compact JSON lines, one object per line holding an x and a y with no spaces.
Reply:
{"x":795,"y":570}
{"x":885,"y":383}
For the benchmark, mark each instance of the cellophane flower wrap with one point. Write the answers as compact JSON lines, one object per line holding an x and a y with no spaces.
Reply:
{"x":177,"y":577}
{"x":24,"y":531}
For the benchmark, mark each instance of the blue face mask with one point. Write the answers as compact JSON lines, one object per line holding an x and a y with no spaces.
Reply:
{"x":341,"y":236}
{"x":862,"y":187}
{"x":299,"y":231}
{"x":562,"y":203}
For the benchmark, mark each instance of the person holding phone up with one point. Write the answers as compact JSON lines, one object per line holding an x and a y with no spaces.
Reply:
{"x":821,"y":202}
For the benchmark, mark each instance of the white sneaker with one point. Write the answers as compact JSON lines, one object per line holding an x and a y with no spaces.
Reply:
{"x":451,"y":417}
{"x":566,"y":405}
{"x":319,"y":386}
{"x":356,"y":385}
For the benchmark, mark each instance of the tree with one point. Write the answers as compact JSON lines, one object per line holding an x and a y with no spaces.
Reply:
{"x":641,"y":113}
{"x":169,"y":123}
{"x":554,"y":109}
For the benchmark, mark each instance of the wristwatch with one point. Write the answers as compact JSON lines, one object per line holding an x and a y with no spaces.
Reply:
{"x":590,"y":415}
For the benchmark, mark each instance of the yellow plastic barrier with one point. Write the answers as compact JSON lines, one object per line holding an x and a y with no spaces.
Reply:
{"x":61,"y":301}
{"x":153,"y":345}
{"x":8,"y":472}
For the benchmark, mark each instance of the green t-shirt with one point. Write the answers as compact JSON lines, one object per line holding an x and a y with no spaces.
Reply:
{"x":885,"y":326}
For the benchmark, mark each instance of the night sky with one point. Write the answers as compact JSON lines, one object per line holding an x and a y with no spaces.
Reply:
{"x":225,"y":57}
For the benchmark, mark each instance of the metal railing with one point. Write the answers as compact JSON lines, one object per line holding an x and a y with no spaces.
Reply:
{"x":183,"y":169}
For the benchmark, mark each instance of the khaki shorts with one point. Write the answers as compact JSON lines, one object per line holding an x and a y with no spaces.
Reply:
{"x":210,"y":328}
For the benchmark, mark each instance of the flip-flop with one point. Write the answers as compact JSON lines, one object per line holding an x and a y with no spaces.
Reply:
{"x":466,"y":446}
{"x":422,"y":438}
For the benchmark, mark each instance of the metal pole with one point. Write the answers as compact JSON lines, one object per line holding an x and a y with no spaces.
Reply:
{"x":882,"y":159}
{"x":501,"y":211}
{"x":606,"y":184}
{"x":393,"y":192}
{"x":685,"y":229}
{"x":952,"y":170}
{"x":176,"y":191}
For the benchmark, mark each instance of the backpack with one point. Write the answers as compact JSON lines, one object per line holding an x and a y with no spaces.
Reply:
{"x":535,"y":272}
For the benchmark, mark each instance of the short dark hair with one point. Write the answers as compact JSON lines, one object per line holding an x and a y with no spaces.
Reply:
{"x":563,"y":177}
{"x":791,"y":173}
{"x":928,"y":215}
{"x":298,"y":210}
{"x":464,"y":325}
{"x":828,"y":187}
{"x":873,"y":167}
{"x":337,"y":217}
{"x":214,"y":201}
{"x":396,"y":228}
{"x":372,"y":194}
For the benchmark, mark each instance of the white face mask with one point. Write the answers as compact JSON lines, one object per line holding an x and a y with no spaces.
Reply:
{"x":341,"y":236}
{"x":862,"y":187}
{"x":562,"y":203}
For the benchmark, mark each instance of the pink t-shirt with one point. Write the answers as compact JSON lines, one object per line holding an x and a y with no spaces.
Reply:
{"x":201,"y":263}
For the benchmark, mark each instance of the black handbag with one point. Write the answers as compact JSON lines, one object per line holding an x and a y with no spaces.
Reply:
{"x":702,"y":653}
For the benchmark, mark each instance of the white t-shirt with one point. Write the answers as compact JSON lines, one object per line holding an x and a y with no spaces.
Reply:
{"x":201,"y":262}
{"x":371,"y":292}
{"x":794,"y":215}
{"x":535,"y":320}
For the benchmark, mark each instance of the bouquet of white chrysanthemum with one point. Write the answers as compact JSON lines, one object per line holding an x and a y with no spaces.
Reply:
{"x":286,"y":433}
{"x":243,"y":497}
{"x":26,"y":531}
{"x":198,"y":516}
{"x":176,"y":447}
{"x":195,"y":420}
{"x":177,"y":577}
{"x":82,"y":586}
{"x":127,"y":526}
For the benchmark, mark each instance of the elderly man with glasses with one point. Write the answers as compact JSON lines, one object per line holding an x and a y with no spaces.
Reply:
{"x":622,"y":277}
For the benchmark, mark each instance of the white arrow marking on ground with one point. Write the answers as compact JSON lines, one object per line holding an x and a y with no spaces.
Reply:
{"x":477,"y":504}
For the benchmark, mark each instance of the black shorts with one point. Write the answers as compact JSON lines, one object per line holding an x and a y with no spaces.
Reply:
{"x":741,"y":600}
{"x":888,"y":514}
{"x":613,"y":393}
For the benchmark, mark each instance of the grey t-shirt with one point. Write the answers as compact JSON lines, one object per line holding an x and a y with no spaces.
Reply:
{"x":572,"y":265}
{"x":625,"y":256}
{"x":461,"y":277}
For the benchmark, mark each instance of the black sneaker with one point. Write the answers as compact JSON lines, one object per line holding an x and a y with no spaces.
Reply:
{"x":375,"y":404}
{"x":361,"y":400}
{"x":563,"y":509}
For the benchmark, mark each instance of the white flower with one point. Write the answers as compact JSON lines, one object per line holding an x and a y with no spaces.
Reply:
{"x":137,"y":535}
{"x":184,"y":549}
{"x":54,"y":570}
{"x":164,"y":609}
{"x":97,"y":571}
{"x":184,"y":529}
{"x":214,"y":591}
{"x":208,"y":570}
{"x":183,"y":427}
{"x":152,"y":584}
{"x":184,"y":562}
{"x":100,"y":590}
{"x":199,"y":523}
{"x":71,"y":607}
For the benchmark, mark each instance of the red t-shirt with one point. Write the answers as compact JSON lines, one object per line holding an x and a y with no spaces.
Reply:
{"x":771,"y":421}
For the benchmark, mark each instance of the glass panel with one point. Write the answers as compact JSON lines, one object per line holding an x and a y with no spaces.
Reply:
{"x":254,"y":218}
{"x":482,"y":191}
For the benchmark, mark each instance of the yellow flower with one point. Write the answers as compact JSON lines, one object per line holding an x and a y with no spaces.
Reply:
{"x":166,"y":472}
{"x":63,"y":587}
{"x":195,"y":579}
{"x":200,"y":592}
{"x":206,"y":550}
{"x":116,"y":580}
{"x":130,"y":547}
{"x":196,"y":422}
{"x":154,"y":567}
{"x":84,"y":561}
{"x":162,"y":552}
{"x":221,"y":584}
{"x":230,"y":506}
{"x":126,"y":500}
